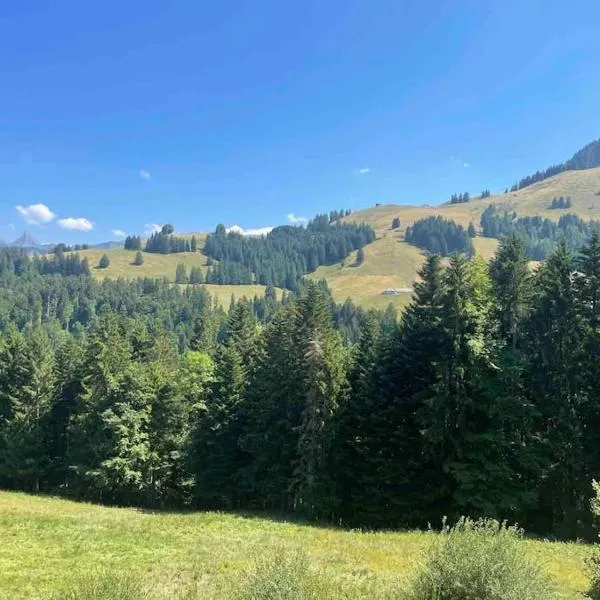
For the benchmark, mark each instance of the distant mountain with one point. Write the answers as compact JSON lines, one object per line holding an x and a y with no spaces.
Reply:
{"x":107,"y":245}
{"x":586,"y":158}
{"x":26,"y":240}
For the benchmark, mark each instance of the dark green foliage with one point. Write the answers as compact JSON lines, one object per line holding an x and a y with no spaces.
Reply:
{"x":193,"y":244}
{"x":586,"y":158}
{"x":561,"y":202}
{"x":164,"y":242}
{"x":287,"y":253}
{"x":196,"y":275}
{"x":360,"y":257}
{"x":540,"y":235}
{"x":181,"y":274}
{"x":104,"y":262}
{"x":439,"y":236}
{"x":483,"y":399}
{"x":485,"y":194}
{"x":395,"y":223}
{"x":471,"y":231}
{"x":133,"y":242}
{"x":139,"y":259}
{"x":459,"y":198}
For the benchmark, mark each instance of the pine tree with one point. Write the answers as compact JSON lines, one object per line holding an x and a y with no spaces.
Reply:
{"x":512,"y":283}
{"x":139,"y":259}
{"x":104,"y":262}
{"x":194,"y":244}
{"x":26,"y":388}
{"x":555,"y":345}
{"x":395,"y":223}
{"x":471,"y":231}
{"x":215,"y":450}
{"x":360,"y":257}
{"x":181,"y":274}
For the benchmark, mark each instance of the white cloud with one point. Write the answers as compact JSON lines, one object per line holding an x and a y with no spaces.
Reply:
{"x":77,"y":224}
{"x":145,"y":174}
{"x":295,"y":219}
{"x":249,"y":232}
{"x":36,"y":214}
{"x":458,"y":161}
{"x":364,"y":170}
{"x":150,"y":228}
{"x":119,"y":233}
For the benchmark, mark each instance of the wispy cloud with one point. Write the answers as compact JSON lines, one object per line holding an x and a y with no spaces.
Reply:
{"x":119,"y":233}
{"x":145,"y":174}
{"x":150,"y":228}
{"x":76,"y":224}
{"x":249,"y":232}
{"x":296,"y":220}
{"x":458,"y":161}
{"x":36,"y":214}
{"x":364,"y":170}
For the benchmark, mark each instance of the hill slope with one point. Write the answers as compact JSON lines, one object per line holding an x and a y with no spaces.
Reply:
{"x":49,"y":544}
{"x":390,"y":262}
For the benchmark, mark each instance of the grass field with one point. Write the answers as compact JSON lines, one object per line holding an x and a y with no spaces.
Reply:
{"x":48,"y":544}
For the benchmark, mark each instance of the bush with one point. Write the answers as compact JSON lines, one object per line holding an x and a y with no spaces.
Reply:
{"x":480,"y":560}
{"x":282,"y":576}
{"x":594,"y":563}
{"x":104,"y":262}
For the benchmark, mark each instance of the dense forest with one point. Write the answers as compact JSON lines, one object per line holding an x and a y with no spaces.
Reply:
{"x":539,"y":234}
{"x":483,"y":399}
{"x":439,"y":235}
{"x":586,"y":158}
{"x":287,"y":253}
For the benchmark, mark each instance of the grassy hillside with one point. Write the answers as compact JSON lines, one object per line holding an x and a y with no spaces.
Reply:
{"x":164,"y":265}
{"x":389,"y":261}
{"x":48,"y":544}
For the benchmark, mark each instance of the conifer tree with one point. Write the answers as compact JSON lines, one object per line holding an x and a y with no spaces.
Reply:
{"x":104,"y":262}
{"x":139,"y":259}
{"x":555,"y":346}
{"x":181,"y":274}
{"x":26,"y":387}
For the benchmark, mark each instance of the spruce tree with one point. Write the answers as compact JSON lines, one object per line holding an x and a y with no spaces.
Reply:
{"x":139,"y":259}
{"x":181,"y":274}
{"x":104,"y":262}
{"x":555,"y":346}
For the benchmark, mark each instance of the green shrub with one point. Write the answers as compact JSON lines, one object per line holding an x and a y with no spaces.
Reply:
{"x":107,"y":586}
{"x":282,"y":575}
{"x":480,"y":560}
{"x":594,"y":591}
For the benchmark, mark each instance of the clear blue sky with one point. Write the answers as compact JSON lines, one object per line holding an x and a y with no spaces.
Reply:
{"x":243,"y":112}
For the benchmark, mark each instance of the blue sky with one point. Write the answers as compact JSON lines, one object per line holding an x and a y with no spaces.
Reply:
{"x":119,"y":115}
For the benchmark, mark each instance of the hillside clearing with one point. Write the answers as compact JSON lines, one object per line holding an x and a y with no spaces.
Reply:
{"x":49,"y":543}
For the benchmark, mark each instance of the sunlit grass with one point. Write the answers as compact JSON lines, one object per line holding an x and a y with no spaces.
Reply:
{"x":48,"y":544}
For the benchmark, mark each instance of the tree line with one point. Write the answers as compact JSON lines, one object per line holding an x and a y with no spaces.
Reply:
{"x":561,"y":202}
{"x":586,"y":158}
{"x":483,"y":400}
{"x":439,"y":236}
{"x":539,"y":234}
{"x":164,"y":242}
{"x":286,"y":254}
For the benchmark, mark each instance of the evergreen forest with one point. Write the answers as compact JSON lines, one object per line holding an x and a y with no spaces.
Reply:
{"x":482,"y":399}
